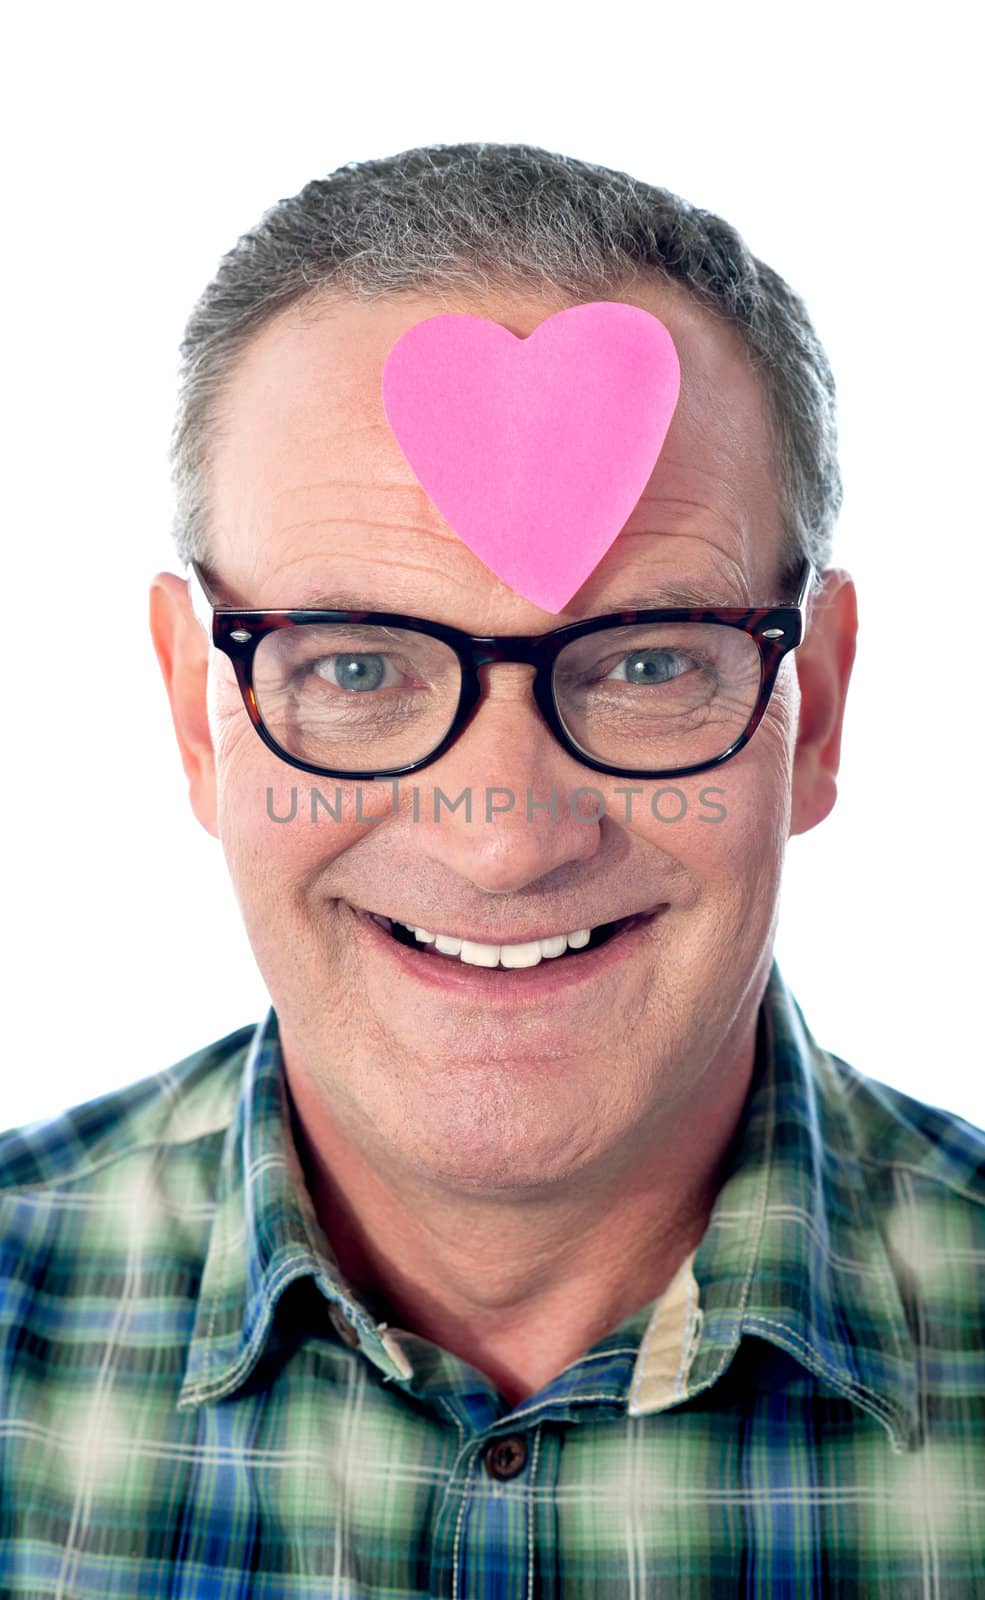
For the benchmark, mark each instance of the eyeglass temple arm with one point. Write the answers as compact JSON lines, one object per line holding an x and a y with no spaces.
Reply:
{"x":202,"y":599}
{"x":807,"y":575}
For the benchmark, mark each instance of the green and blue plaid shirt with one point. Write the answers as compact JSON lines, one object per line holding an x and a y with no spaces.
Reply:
{"x":194,"y":1403}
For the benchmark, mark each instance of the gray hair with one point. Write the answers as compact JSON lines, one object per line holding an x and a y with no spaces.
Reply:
{"x":465,"y":216}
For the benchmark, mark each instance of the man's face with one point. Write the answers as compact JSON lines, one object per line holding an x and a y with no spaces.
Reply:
{"x":473,"y":1077}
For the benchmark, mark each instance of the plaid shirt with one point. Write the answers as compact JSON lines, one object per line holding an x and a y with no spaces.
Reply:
{"x":194,"y":1403}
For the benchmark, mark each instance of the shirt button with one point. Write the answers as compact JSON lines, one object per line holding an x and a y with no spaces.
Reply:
{"x":343,"y":1327}
{"x":506,"y":1457}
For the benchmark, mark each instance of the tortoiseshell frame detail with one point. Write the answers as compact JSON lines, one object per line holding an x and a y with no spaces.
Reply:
{"x":538,"y":650}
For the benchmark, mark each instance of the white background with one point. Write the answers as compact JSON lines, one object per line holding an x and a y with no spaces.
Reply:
{"x":140,"y":145}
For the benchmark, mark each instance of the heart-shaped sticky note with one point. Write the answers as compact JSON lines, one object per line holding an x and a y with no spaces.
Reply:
{"x":535,"y":450}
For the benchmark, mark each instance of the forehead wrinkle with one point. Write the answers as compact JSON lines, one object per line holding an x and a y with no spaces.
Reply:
{"x":730,"y":557}
{"x":724,"y":498}
{"x":358,"y":523}
{"x":315,"y":595}
{"x":420,"y":512}
{"x":682,"y":519}
{"x":319,"y":594}
{"x":346,"y":483}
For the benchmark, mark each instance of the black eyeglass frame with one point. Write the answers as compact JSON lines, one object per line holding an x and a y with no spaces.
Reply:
{"x":238,"y":633}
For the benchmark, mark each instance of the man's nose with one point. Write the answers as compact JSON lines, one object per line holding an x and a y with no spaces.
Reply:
{"x":521,"y":816}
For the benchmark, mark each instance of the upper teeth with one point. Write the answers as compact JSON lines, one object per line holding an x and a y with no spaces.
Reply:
{"x":506,"y":955}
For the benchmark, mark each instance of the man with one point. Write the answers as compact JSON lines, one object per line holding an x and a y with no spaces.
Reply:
{"x":530,"y":1244}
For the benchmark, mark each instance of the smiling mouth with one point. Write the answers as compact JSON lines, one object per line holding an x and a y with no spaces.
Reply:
{"x":560,"y":947}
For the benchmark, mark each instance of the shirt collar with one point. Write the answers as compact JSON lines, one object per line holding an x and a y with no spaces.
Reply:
{"x":264,"y":1236}
{"x":791,"y":1254}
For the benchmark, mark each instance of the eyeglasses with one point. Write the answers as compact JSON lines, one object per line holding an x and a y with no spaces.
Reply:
{"x":375,"y":694}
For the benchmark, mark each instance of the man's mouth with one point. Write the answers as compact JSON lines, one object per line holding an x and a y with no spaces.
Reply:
{"x":513,"y":956}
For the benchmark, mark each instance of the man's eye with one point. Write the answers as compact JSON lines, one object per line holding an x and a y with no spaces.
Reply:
{"x":651,"y":666}
{"x":357,"y":671}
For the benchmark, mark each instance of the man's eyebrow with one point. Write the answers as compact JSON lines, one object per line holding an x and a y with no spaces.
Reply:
{"x":339,"y":600}
{"x":676,"y":597}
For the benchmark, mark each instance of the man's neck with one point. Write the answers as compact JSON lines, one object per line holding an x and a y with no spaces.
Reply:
{"x":518,"y":1288}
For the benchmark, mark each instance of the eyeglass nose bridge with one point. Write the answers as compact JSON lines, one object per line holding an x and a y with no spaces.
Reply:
{"x":540,"y":653}
{"x":522,"y":652}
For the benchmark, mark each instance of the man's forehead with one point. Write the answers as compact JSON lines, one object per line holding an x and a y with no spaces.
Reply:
{"x":305,"y":456}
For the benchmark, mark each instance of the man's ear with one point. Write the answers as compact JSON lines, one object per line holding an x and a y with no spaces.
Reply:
{"x":183,"y":652}
{"x":824,"y":666}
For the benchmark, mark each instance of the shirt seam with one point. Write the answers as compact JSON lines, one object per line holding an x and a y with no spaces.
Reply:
{"x":53,"y":1185}
{"x":531,"y":1512}
{"x":826,"y":1367}
{"x":954,"y":1186}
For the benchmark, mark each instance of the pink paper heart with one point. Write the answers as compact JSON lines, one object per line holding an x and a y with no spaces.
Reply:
{"x":535,"y":450}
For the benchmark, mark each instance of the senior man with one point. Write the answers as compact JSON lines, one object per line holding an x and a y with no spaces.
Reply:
{"x":530,"y":1245}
